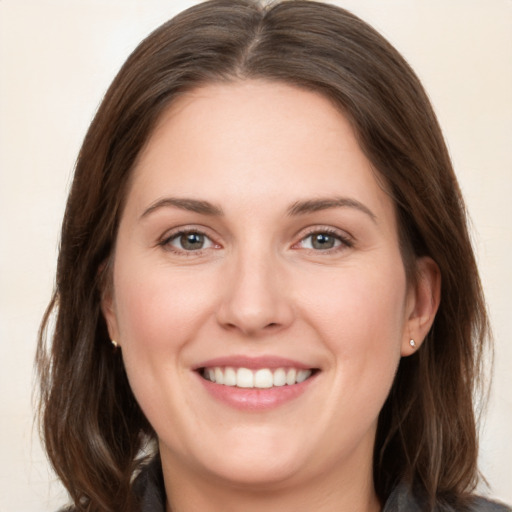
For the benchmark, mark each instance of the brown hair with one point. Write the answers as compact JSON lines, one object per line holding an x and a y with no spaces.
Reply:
{"x":92,"y":426}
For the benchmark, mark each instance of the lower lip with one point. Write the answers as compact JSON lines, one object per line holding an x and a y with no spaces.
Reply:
{"x":256,"y":399}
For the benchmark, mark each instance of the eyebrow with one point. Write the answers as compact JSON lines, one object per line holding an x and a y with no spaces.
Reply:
{"x":315,"y":205}
{"x":191,"y":205}
{"x":297,"y":208}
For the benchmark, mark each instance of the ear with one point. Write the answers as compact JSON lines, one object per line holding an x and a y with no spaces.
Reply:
{"x":422,"y":304}
{"x":108,"y":306}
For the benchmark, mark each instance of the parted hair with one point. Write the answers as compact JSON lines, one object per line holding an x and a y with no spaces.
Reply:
{"x":91,"y":424}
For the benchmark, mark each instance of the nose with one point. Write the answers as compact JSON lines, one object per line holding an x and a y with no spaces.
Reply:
{"x":254,"y":297}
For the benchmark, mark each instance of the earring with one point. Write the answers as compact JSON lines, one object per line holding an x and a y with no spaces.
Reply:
{"x":412,"y":343}
{"x":114,"y":342}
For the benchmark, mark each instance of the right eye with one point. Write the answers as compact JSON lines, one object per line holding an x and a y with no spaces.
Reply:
{"x":324,"y":240}
{"x":188,"y":241}
{"x":321,"y":241}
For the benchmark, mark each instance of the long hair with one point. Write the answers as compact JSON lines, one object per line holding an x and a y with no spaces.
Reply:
{"x":91,"y":424}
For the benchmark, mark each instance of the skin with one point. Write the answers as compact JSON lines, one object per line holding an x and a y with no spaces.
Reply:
{"x":254,"y":149}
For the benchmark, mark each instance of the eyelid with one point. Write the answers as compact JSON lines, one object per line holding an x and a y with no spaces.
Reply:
{"x":345,"y":238}
{"x":172,"y":234}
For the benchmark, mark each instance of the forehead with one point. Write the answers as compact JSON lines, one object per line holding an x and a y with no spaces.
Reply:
{"x":254,"y":140}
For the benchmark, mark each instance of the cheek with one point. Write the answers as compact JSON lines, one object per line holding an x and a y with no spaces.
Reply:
{"x":159,"y":313}
{"x":157,"y":308}
{"x":360,"y":315}
{"x":358,"y":309}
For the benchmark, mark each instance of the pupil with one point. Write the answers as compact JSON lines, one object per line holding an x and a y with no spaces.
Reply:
{"x":192,"y":241}
{"x":323,"y":241}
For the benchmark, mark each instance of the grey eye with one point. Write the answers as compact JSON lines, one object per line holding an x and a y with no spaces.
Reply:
{"x":191,"y":241}
{"x":322,"y":241}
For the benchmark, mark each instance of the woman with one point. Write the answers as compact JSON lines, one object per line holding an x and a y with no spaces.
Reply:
{"x":265,"y":286}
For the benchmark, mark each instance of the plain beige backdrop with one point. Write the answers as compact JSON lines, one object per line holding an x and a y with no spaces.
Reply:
{"x":57,"y":57}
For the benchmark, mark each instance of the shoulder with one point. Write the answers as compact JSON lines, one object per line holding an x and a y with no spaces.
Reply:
{"x":484,"y":505}
{"x":403,"y":500}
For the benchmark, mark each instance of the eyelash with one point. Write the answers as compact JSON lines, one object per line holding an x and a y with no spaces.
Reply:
{"x":167,"y":239}
{"x":344,"y":241}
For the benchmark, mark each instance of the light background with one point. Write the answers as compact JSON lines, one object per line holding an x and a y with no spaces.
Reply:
{"x":57,"y":58}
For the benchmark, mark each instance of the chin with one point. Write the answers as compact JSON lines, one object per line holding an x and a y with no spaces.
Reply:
{"x":263,"y":473}
{"x":253,"y":458}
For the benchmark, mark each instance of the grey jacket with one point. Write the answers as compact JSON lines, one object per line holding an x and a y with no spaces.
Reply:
{"x":401,"y":500}
{"x":149,"y":485}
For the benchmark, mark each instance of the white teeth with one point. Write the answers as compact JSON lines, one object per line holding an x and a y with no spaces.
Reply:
{"x":229,"y":377}
{"x":290,"y":376}
{"x":279,"y":377}
{"x":262,"y":379}
{"x":244,"y":378}
{"x":302,"y":375}
{"x":219,"y":376}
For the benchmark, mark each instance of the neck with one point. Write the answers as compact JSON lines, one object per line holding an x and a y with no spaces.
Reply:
{"x":332,"y":492}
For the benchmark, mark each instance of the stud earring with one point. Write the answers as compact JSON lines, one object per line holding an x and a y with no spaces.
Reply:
{"x":412,"y":343}
{"x":114,"y":342}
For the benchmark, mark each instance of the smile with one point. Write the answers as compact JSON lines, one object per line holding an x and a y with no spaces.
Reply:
{"x":262,"y":378}
{"x":256,"y":384}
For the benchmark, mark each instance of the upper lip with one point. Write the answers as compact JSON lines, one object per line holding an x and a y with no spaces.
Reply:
{"x":253,"y":363}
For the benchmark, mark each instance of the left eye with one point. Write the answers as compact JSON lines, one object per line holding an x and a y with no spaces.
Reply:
{"x":321,"y":241}
{"x":190,"y":241}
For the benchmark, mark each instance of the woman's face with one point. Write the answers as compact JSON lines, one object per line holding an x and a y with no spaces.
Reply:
{"x":257,"y":248}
